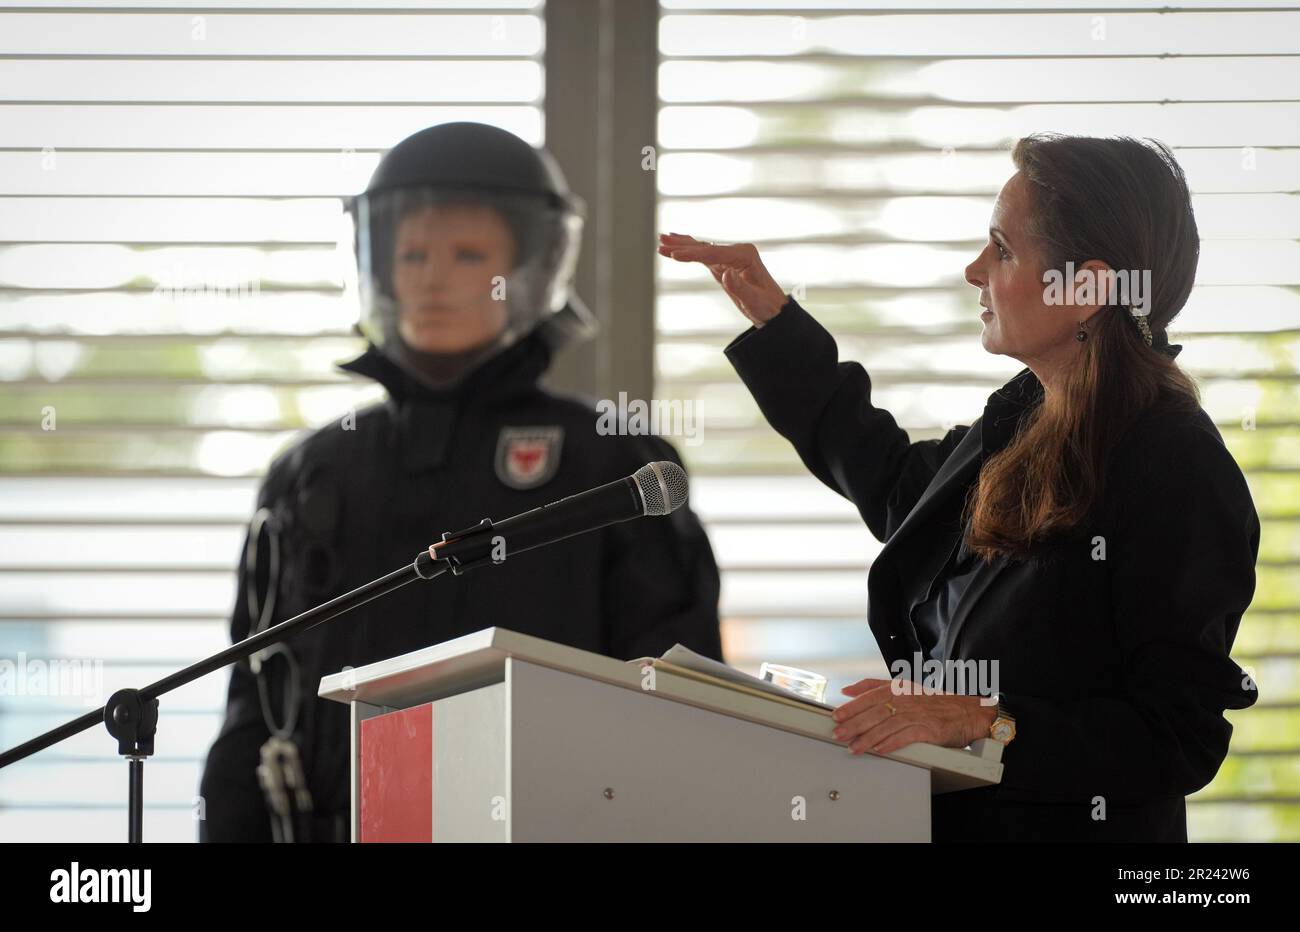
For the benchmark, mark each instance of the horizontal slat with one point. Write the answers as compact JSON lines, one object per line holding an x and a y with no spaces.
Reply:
{"x":883,"y":33}
{"x":72,"y":363}
{"x":263,"y":84}
{"x":303,"y":8}
{"x":351,"y":126}
{"x":904,"y":170}
{"x":942,"y":216}
{"x":328,"y":172}
{"x":146,"y":381}
{"x":833,"y":58}
{"x":944,"y":8}
{"x":139,"y":314}
{"x":876,"y":83}
{"x":126,"y":616}
{"x":733,"y":127}
{"x":329,"y":35}
{"x":917,"y":265}
{"x":240,"y":339}
{"x":247,"y":223}
{"x":181,"y":734}
{"x":890,"y":104}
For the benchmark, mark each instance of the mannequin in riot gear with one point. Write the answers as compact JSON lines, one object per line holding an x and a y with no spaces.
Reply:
{"x":466,"y":241}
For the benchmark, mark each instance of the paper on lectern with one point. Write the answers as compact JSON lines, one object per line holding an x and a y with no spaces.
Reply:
{"x":684,"y":657}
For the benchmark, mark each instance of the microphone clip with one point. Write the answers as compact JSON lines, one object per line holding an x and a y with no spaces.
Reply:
{"x":464,"y":550}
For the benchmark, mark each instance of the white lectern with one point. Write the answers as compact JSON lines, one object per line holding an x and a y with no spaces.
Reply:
{"x":499,"y":736}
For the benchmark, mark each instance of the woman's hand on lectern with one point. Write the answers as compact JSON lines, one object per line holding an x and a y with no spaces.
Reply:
{"x":886,"y":715}
{"x":738,"y":270}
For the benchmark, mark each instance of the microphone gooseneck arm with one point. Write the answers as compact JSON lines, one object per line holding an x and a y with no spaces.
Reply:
{"x":654,"y":489}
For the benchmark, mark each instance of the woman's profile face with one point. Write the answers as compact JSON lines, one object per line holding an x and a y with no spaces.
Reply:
{"x":1009,"y":274}
{"x":446,"y":263}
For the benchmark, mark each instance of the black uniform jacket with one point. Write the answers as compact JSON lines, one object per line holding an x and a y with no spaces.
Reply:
{"x":365,"y":495}
{"x":1111,"y":646}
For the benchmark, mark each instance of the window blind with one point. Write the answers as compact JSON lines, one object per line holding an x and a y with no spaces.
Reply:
{"x":171,"y":308}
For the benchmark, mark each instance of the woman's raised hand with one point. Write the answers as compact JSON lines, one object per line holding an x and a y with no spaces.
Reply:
{"x":738,"y":270}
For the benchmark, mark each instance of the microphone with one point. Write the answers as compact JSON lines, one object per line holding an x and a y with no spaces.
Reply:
{"x":653,"y":490}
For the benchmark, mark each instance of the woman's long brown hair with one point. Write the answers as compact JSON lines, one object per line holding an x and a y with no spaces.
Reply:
{"x":1126,"y":203}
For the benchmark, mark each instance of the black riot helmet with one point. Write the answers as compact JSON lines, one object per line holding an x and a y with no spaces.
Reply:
{"x":465,"y":232}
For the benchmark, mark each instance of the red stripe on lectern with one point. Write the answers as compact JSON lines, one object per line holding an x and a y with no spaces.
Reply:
{"x":397,"y":776}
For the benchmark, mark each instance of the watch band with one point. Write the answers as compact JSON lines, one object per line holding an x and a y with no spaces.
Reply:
{"x":1003,"y":728}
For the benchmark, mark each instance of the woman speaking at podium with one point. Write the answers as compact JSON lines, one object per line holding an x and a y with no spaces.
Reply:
{"x":1088,"y":540}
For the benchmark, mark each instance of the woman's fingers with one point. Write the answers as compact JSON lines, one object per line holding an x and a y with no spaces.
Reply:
{"x":945,"y":719}
{"x":869,"y":696}
{"x":861,"y":686}
{"x":709,"y":254}
{"x":863,"y":720}
{"x":685,"y":248}
{"x":887,"y":741}
{"x":682,"y":238}
{"x":736,"y":267}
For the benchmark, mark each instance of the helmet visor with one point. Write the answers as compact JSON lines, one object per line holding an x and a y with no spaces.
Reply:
{"x":457,"y":275}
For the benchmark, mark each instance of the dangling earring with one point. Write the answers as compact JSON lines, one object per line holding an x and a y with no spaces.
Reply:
{"x":1081,"y":334}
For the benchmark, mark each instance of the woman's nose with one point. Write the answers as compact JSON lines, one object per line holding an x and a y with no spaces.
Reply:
{"x":973,"y":274}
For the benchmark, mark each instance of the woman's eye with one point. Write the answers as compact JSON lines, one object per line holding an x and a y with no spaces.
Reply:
{"x":469,"y":255}
{"x":413,"y":256}
{"x":1002,"y":253}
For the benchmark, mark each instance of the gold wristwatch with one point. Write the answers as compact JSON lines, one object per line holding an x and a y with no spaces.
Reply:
{"x":1003,"y":729}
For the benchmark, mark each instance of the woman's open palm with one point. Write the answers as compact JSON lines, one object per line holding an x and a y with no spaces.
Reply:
{"x":737,"y":268}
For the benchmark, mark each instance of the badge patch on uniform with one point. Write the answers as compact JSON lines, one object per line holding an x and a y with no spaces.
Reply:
{"x":528,"y":456}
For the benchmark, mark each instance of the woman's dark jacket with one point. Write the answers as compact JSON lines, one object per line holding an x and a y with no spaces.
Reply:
{"x":1116,"y":669}
{"x":365,"y":495}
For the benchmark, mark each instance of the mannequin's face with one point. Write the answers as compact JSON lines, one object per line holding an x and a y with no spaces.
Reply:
{"x":446,"y":263}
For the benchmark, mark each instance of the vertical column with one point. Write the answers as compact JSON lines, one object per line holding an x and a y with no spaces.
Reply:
{"x":601,"y":113}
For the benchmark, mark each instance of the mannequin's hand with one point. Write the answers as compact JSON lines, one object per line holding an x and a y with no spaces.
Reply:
{"x":738,"y":270}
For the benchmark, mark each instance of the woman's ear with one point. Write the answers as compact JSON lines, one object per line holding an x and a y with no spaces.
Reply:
{"x":1094,"y":284}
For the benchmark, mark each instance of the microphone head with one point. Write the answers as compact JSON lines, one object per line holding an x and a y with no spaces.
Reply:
{"x":663,"y":487}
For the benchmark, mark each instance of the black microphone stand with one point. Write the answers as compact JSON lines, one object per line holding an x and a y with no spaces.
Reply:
{"x":131,"y":715}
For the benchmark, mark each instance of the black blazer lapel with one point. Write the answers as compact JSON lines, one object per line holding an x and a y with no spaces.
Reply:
{"x":955,"y":473}
{"x":902,"y":572}
{"x":984,"y":577}
{"x":909,"y":560}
